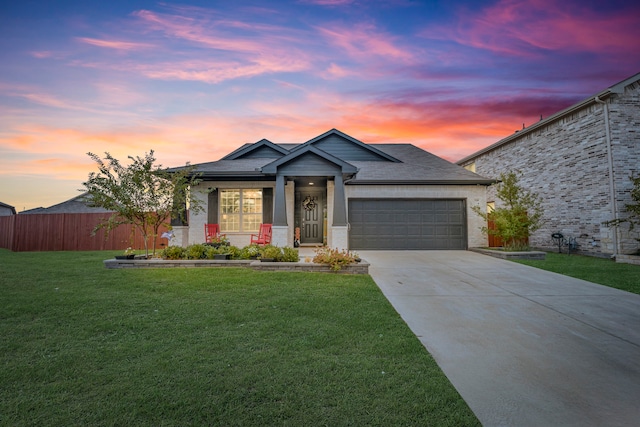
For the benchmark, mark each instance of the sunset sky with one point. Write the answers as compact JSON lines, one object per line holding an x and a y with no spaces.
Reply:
{"x":193,"y":80}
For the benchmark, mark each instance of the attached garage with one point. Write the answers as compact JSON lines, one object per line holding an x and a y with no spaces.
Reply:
{"x":409,"y":224}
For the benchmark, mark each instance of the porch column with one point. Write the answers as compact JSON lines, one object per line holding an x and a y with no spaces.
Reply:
{"x":339,"y":202}
{"x":280,"y":203}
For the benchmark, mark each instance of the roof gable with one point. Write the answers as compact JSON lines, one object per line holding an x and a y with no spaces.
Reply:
{"x":263,"y":149}
{"x":309,"y":160}
{"x":347,"y":148}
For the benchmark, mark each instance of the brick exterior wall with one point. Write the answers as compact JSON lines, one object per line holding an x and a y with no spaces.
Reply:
{"x":566,"y":162}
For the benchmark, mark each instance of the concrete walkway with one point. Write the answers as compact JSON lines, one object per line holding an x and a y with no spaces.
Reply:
{"x":523,"y":347}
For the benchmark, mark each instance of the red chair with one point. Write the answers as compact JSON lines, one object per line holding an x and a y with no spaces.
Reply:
{"x":212,"y":233}
{"x":263,"y":237}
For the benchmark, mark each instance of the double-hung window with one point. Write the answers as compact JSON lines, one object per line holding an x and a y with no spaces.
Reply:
{"x":240,"y":210}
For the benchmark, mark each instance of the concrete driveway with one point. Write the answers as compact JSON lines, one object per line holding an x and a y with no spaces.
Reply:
{"x":523,"y":347}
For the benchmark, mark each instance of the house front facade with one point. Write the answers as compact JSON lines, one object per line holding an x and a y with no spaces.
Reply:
{"x":579,"y":161}
{"x":340,"y":192}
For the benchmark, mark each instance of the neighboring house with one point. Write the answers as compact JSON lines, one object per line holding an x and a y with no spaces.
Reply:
{"x":78,"y":204}
{"x":579,"y":160}
{"x":6,"y":210}
{"x":342,"y":192}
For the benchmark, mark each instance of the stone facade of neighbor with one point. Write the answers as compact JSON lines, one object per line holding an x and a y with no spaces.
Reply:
{"x":579,"y":161}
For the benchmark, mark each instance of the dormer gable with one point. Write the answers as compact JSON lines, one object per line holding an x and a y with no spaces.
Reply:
{"x":347,"y":148}
{"x":308,"y":161}
{"x":263,"y":149}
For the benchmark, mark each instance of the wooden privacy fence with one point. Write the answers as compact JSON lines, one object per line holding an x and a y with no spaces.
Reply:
{"x":495,"y":241}
{"x":67,"y":232}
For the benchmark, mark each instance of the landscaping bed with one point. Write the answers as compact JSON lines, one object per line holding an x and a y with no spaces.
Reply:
{"x":357,"y":268}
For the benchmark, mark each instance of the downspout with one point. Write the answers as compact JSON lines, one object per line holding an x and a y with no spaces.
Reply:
{"x":344,"y":182}
{"x":612,"y":185}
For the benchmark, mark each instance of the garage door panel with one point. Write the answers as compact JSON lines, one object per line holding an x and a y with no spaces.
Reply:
{"x":407,"y":224}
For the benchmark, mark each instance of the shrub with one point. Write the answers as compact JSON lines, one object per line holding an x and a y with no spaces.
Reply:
{"x":518,"y":215}
{"x":211,"y":252}
{"x":234,"y":251}
{"x":290,"y":255}
{"x":336,"y":259}
{"x":173,"y":252}
{"x":249,"y":251}
{"x":197,"y":251}
{"x":272,"y":252}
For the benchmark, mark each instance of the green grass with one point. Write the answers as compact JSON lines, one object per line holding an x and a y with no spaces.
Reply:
{"x":597,"y":270}
{"x":83,"y":345}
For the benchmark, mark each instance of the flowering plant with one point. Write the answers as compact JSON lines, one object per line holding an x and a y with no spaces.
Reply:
{"x":221,"y":239}
{"x":335,"y":258}
{"x":129,"y":251}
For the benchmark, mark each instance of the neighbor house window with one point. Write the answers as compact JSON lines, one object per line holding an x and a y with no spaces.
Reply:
{"x":240,"y":210}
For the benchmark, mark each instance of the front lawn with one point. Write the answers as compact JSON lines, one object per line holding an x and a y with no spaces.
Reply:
{"x":597,"y":270}
{"x":83,"y":345}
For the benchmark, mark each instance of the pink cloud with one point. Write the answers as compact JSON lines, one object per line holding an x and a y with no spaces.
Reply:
{"x":516,"y":27}
{"x":260,"y":49}
{"x":42,"y":54}
{"x":328,"y":2}
{"x":114,"y":44}
{"x":187,"y":28}
{"x":218,"y":71}
{"x":364,"y":41}
{"x":337,"y":72}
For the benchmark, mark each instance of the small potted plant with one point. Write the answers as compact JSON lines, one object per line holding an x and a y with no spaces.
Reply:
{"x":218,"y":241}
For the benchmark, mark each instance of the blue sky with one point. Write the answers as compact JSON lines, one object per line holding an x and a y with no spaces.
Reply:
{"x":194,"y":80}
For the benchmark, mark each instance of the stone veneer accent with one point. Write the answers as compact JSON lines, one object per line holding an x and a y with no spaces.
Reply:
{"x":566,"y":162}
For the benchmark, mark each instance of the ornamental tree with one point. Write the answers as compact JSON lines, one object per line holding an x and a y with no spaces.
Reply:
{"x":519,"y":214}
{"x":142,"y":194}
{"x":632,"y":209}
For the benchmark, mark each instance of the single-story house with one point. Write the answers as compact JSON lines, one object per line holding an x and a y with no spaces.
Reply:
{"x":579,"y":161}
{"x":338,"y":191}
{"x":6,"y":210}
{"x":78,"y":204}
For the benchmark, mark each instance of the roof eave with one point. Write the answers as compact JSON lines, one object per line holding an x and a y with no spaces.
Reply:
{"x":423,"y":182}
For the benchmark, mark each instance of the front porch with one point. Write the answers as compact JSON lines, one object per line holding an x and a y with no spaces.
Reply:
{"x":305,"y":211}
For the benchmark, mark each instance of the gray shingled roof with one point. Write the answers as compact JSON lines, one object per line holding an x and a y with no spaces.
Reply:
{"x":235,"y":167}
{"x":78,"y":204}
{"x":417,"y":166}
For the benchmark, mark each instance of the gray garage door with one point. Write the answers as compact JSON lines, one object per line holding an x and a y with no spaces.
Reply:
{"x":407,"y":224}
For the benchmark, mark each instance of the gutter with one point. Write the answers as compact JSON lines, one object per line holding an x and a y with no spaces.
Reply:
{"x":612,"y":183}
{"x":431,"y":182}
